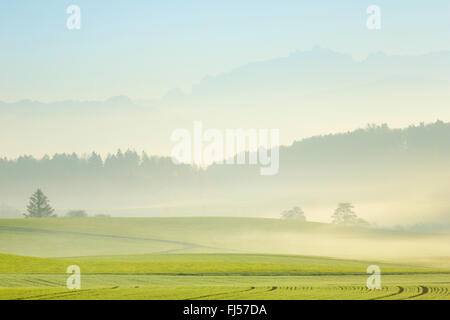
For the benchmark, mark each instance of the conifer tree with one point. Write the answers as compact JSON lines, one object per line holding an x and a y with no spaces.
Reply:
{"x":39,"y":206}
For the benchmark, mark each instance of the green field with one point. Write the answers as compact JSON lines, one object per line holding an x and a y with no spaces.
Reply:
{"x":216,"y":258}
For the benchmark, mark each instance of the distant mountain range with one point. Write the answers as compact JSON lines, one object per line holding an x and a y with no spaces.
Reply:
{"x":304,"y":94}
{"x":303,"y":73}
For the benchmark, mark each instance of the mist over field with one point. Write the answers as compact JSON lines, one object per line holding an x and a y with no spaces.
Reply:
{"x":365,"y":132}
{"x":236,"y":150}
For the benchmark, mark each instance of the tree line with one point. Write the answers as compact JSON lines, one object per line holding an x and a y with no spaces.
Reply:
{"x":39,"y":207}
{"x":370,"y":145}
{"x":344,"y":214}
{"x":62,"y":165}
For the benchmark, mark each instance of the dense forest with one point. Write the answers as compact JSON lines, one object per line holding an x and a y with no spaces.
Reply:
{"x":425,"y":142}
{"x":356,"y":160}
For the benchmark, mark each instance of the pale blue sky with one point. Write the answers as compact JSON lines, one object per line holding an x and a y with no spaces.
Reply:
{"x":144,"y":48}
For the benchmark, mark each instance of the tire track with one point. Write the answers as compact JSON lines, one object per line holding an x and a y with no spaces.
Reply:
{"x":400,"y":291}
{"x":65,"y":294}
{"x":425,"y":290}
{"x":221,"y":294}
{"x":185,"y":245}
{"x":48,"y":296}
{"x":35,"y":281}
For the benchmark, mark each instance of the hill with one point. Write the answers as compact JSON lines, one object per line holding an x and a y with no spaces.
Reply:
{"x":72,"y":237}
{"x":315,"y":173}
{"x":184,"y":258}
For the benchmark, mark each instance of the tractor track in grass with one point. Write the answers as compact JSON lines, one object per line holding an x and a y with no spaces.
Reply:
{"x":49,"y":296}
{"x":35,"y":281}
{"x":425,"y":290}
{"x":66,"y":294}
{"x":220,"y":294}
{"x":400,"y":291}
{"x":185,"y":245}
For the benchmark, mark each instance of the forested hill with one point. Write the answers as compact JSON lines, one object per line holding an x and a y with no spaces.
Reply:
{"x":360,"y":159}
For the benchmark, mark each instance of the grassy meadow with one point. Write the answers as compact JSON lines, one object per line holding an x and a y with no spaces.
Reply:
{"x":216,"y":258}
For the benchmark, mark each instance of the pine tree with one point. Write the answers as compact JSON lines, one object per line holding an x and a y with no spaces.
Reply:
{"x":39,"y":206}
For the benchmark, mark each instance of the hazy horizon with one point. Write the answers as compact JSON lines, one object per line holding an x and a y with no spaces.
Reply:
{"x":261,"y":94}
{"x":228,"y":149}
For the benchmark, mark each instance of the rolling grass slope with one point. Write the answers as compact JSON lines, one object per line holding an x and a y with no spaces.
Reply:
{"x":64,"y":237}
{"x":215,"y":258}
{"x":181,"y":276}
{"x":212,"y":276}
{"x":200,"y":264}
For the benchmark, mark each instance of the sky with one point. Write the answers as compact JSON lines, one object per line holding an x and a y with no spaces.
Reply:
{"x":143,"y":49}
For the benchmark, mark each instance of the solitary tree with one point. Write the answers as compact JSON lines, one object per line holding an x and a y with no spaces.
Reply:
{"x":344,"y":214}
{"x":296,"y":213}
{"x":39,"y":206}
